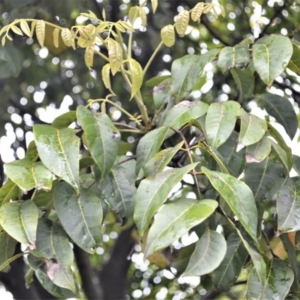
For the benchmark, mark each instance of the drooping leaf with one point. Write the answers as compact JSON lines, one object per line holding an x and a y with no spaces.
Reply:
{"x":136,"y":73}
{"x":244,"y":80}
{"x":29,"y":175}
{"x":149,"y":145}
{"x":54,"y":249}
{"x":25,"y":28}
{"x":238,"y":196}
{"x":294,"y":63}
{"x":279,"y":280}
{"x":152,"y":193}
{"x":7,"y":248}
{"x":154,"y":4}
{"x":80,"y":215}
{"x":209,"y":252}
{"x":182,"y":113}
{"x":119,"y":191}
{"x":67,"y":37}
{"x":105,"y":73}
{"x":231,"y":266}
{"x":19,"y":219}
{"x":288,"y":206}
{"x":175,"y":219}
{"x":115,"y":55}
{"x":64,"y":120}
{"x":59,"y":151}
{"x":220,"y":121}
{"x":9,"y":191}
{"x":40,"y":31}
{"x":133,"y":14}
{"x":160,"y":160}
{"x":56,"y":33}
{"x":234,"y":57}
{"x":102,"y":138}
{"x":168,"y":35}
{"x":252,"y":130}
{"x":271,"y":55}
{"x":264,"y":178}
{"x":89,"y":56}
{"x":186,"y":72}
{"x":197,"y":12}
{"x":182,"y":22}
{"x":282,"y":110}
{"x":259,"y":151}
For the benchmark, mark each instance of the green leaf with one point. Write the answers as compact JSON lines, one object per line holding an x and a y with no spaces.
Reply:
{"x":28,"y":175}
{"x":19,"y":220}
{"x":264,"y":178}
{"x":238,"y":196}
{"x":186,"y":72}
{"x":271,"y":54}
{"x":161,"y":93}
{"x":296,"y":166}
{"x":149,"y":145}
{"x":57,"y":255}
{"x":234,"y":57}
{"x":160,"y":160}
{"x":294,"y":63}
{"x":7,"y":248}
{"x":167,"y":35}
{"x":230,"y":268}
{"x":9,"y":191}
{"x":136,"y":73}
{"x":244,"y":80}
{"x":53,"y":289}
{"x":259,"y":151}
{"x":119,"y":191}
{"x":279,"y":280}
{"x":209,"y":253}
{"x":252,"y":130}
{"x":284,"y":152}
{"x":182,"y":113}
{"x":59,"y":152}
{"x":152,"y":193}
{"x":102,"y":138}
{"x":220,"y":122}
{"x":282,"y":110}
{"x":64,"y":120}
{"x":175,"y":219}
{"x":80,"y":215}
{"x":288,"y":206}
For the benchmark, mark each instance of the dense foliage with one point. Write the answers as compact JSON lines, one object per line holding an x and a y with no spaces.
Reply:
{"x":176,"y":164}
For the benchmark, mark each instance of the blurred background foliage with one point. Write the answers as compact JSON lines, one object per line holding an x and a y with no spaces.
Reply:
{"x":38,"y":84}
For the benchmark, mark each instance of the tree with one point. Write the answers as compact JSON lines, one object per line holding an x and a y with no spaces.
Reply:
{"x":157,"y":156}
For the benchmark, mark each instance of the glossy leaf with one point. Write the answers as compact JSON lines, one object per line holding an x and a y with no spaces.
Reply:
{"x":174,"y":220}
{"x":182,"y":113}
{"x":7,"y":248}
{"x":220,"y":121}
{"x":40,"y":31}
{"x":231,"y":266}
{"x":279,"y":280}
{"x":209,"y":252}
{"x":52,"y":243}
{"x":102,"y":138}
{"x":149,"y":145}
{"x":271,"y":55}
{"x":9,"y":191}
{"x":119,"y":191}
{"x":259,"y":151}
{"x":234,"y":57}
{"x":59,"y":151}
{"x":182,"y":22}
{"x":19,"y":220}
{"x":186,"y":72}
{"x":64,"y":120}
{"x":282,"y":110}
{"x":168,"y":35}
{"x":81,"y":216}
{"x":115,"y":55}
{"x":264,"y":178}
{"x":160,"y":160}
{"x":28,"y":175}
{"x":238,"y":196}
{"x":252,"y":130}
{"x":288,"y":206}
{"x":244,"y":79}
{"x":136,"y":73}
{"x":153,"y":192}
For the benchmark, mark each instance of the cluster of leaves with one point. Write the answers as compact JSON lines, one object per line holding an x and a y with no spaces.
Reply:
{"x":239,"y":164}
